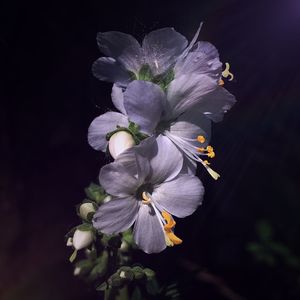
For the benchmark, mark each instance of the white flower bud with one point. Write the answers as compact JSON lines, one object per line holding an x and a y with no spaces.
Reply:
{"x":77,"y":271}
{"x":69,"y":242}
{"x":119,"y":142}
{"x":85,"y":209}
{"x":82,"y":239}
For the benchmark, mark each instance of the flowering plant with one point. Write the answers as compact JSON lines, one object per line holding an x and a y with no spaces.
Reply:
{"x":168,"y":92}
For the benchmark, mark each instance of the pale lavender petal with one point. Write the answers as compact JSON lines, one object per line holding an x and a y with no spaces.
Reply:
{"x":191,"y":124}
{"x":116,"y":216}
{"x":117,"y":97}
{"x":167,"y":162}
{"x":143,"y":102}
{"x":203,"y":60}
{"x":108,"y":69}
{"x":189,"y":166}
{"x":216,"y":103}
{"x":102,"y":125}
{"x":162,"y":47}
{"x":148,"y":232}
{"x":188,"y":90}
{"x":117,"y":180}
{"x":122,"y":47}
{"x":179,"y":197}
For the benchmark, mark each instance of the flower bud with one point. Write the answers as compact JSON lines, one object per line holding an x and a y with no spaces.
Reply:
{"x":119,"y":142}
{"x":107,"y":199}
{"x":82,"y":239}
{"x":85,"y":209}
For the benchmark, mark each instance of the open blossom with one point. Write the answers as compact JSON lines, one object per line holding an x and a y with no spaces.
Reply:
{"x":181,"y":115}
{"x":163,"y":56}
{"x":147,"y":188}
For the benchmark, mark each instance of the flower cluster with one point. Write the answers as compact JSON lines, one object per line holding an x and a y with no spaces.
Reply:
{"x":167,"y":92}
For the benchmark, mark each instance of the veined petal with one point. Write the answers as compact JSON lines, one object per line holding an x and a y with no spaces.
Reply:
{"x":167,"y":161}
{"x":179,"y":197}
{"x":116,"y":216}
{"x":102,"y":125}
{"x":162,"y":47}
{"x":143,"y":102}
{"x":216,"y":103}
{"x":191,"y":124}
{"x":118,"y":180}
{"x":187,"y":90}
{"x":203,"y":60}
{"x":117,"y":97}
{"x":108,"y":69}
{"x":148,"y":231}
{"x":122,"y":47}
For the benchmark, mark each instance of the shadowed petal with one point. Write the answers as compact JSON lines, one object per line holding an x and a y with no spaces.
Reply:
{"x":116,"y":216}
{"x":108,"y":69}
{"x":143,"y":102}
{"x":162,"y":47}
{"x":203,"y":60}
{"x":101,"y":126}
{"x":179,"y":197}
{"x":118,"y":180}
{"x":122,"y":47}
{"x":148,"y":232}
{"x":167,"y":162}
{"x":187,"y":90}
{"x":191,"y":124}
{"x":216,"y":103}
{"x":117,"y":97}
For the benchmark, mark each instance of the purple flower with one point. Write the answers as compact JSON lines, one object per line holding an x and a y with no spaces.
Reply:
{"x":181,"y":115}
{"x":147,"y":188}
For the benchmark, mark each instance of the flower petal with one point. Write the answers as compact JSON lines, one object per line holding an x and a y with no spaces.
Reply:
{"x":122,"y":47}
{"x":148,"y":232}
{"x":116,"y":216}
{"x":118,"y":180}
{"x":203,"y":60}
{"x":143,"y":102}
{"x":179,"y":197}
{"x":101,"y":126}
{"x":167,"y":161}
{"x":187,"y":90}
{"x":191,"y":124}
{"x":216,"y":103}
{"x":117,"y":97}
{"x":162,"y":47}
{"x":108,"y":69}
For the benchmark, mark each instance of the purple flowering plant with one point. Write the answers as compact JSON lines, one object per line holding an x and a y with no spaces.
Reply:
{"x":167,"y":93}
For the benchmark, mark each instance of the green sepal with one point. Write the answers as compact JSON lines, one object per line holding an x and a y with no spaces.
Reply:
{"x":149,"y":273}
{"x":95,"y":192}
{"x":85,"y":266}
{"x":138,"y":272}
{"x":165,"y":79}
{"x":85,"y":227}
{"x":145,"y":73}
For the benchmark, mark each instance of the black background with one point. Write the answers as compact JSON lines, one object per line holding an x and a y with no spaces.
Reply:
{"x":49,"y":97}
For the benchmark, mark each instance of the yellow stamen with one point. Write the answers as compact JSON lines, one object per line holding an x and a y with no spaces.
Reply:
{"x":206,"y":162}
{"x":170,"y":237}
{"x":221,"y":82}
{"x":211,"y":154}
{"x":226,"y":72}
{"x":212,"y":173}
{"x":146,"y":199}
{"x":209,"y":149}
{"x":200,"y":149}
{"x":201,"y":139}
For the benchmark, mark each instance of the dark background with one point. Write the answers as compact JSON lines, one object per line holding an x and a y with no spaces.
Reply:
{"x":49,"y":97}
